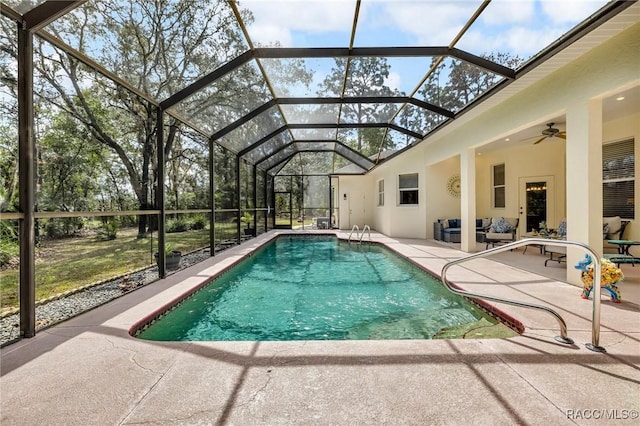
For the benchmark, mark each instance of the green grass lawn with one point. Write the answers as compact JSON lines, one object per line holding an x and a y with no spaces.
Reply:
{"x":66,"y":264}
{"x":295,"y":223}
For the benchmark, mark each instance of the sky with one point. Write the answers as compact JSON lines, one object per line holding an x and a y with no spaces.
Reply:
{"x":522,"y":27}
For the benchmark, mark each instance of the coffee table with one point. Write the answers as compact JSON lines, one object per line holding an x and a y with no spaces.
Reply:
{"x":623,"y":256}
{"x":624,"y":245}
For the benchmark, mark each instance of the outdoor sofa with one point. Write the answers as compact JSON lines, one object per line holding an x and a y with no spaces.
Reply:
{"x":449,"y":230}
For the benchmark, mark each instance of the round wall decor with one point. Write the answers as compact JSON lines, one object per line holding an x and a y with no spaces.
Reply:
{"x":453,"y":185}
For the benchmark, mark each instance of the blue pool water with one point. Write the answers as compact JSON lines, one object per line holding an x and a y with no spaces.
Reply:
{"x":316,"y":288}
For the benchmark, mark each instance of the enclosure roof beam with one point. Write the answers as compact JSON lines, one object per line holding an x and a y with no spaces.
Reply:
{"x":331,"y":52}
{"x":410,"y":51}
{"x":281,"y":163}
{"x":289,"y":157}
{"x":203,"y":82}
{"x":356,"y":126}
{"x":262,"y":140}
{"x":239,"y":122}
{"x":368,"y":99}
{"x":333,"y":100}
{"x":43,"y":14}
{"x":357,"y":155}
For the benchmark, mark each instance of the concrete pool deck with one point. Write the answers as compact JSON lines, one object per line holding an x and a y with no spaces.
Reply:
{"x":89,"y":370}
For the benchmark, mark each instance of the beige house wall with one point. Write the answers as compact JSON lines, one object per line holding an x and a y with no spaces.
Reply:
{"x":601,"y":72}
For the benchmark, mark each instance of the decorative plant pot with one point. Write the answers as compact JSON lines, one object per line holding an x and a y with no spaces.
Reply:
{"x":172,"y":259}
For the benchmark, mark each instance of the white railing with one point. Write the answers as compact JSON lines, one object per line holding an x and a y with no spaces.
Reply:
{"x":355,"y":228}
{"x":563,"y":338}
{"x":359,"y":236}
{"x":366,"y":228}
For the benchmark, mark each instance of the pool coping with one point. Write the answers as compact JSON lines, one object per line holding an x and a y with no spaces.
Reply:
{"x":489,"y":309}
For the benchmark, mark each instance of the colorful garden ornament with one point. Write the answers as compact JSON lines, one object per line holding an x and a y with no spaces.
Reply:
{"x":611,"y":275}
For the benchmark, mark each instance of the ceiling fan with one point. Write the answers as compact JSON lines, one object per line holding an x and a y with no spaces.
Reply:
{"x":551,"y":132}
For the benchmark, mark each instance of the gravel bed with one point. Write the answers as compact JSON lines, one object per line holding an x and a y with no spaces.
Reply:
{"x":68,"y":306}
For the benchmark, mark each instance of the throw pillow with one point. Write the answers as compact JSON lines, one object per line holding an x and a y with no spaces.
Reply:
{"x":445,"y":224}
{"x":605,"y":231}
{"x":562,"y":228}
{"x":486,"y":223}
{"x":615,"y":225}
{"x":501,"y":226}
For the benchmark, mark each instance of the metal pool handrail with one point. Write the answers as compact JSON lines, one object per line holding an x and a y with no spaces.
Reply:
{"x":366,"y":228}
{"x":563,"y":338}
{"x":355,"y":228}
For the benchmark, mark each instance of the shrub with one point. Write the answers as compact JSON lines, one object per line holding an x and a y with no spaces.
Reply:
{"x":176,"y":225}
{"x":63,"y":227}
{"x":9,"y":252}
{"x":199,"y":222}
{"x":128,"y":221}
{"x":108,"y":230}
{"x":247,"y":218}
{"x":9,"y":230}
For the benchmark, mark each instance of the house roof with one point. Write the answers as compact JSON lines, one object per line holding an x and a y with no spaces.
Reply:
{"x":320,"y":86}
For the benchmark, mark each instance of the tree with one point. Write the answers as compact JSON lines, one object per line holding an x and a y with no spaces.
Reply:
{"x":367,"y":77}
{"x":8,"y":118}
{"x":8,"y":167}
{"x":465,"y":82}
{"x":69,"y":167}
{"x":160,"y":47}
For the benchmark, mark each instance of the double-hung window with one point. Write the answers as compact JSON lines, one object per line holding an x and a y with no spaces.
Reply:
{"x":499,"y":187}
{"x":618,"y":179}
{"x":408,"y":188}
{"x":381,"y":192}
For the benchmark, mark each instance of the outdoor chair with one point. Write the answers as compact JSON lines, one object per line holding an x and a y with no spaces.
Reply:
{"x":501,"y":231}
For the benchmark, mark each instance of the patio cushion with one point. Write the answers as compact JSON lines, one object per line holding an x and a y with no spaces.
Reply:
{"x":455,"y":223}
{"x":613,"y":225}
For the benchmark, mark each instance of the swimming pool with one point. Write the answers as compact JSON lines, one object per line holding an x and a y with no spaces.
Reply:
{"x":318,"y":288}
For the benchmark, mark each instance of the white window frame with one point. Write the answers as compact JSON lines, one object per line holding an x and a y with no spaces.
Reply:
{"x":622,"y":150}
{"x":381,"y":193}
{"x":495,"y":187}
{"x":412,"y":189}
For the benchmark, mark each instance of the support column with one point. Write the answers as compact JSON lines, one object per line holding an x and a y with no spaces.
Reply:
{"x":212,"y":199}
{"x":266,"y":201}
{"x":162,"y":263}
{"x":27,"y":176}
{"x":239,"y":201}
{"x":255,"y":201}
{"x":584,"y":180}
{"x":330,"y":203}
{"x":468,"y":200}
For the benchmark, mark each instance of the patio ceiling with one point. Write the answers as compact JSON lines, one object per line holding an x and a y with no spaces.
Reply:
{"x":332,"y":84}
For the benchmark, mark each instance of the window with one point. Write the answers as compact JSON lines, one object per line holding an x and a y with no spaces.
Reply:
{"x":381,"y":192}
{"x":499,"y":198}
{"x":618,"y":179}
{"x":408,"y":188}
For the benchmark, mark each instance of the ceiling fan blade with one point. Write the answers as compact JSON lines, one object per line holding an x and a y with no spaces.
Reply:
{"x":562,"y":135}
{"x":540,"y":140}
{"x":529,"y":138}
